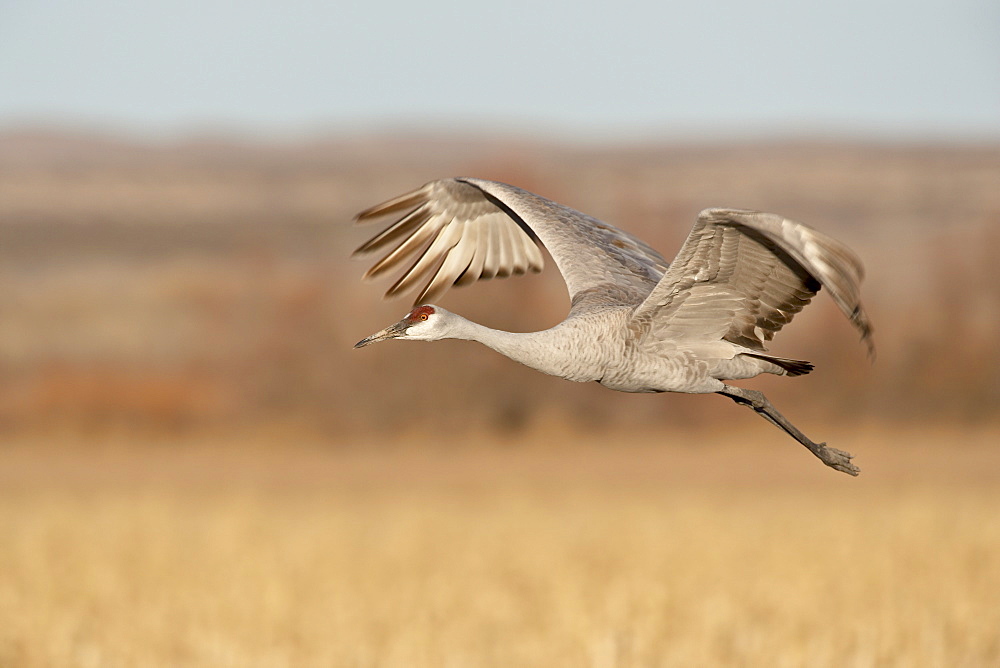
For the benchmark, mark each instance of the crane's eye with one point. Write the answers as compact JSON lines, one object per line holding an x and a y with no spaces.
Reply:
{"x":423,"y":316}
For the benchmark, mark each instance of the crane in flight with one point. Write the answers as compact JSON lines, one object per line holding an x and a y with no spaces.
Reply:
{"x":636,"y":322}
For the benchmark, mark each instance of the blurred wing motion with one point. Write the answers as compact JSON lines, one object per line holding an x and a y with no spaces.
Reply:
{"x":458,"y":231}
{"x":743,"y":275}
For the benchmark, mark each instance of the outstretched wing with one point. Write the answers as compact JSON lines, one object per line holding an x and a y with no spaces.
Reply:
{"x":457,"y":231}
{"x":743,"y":275}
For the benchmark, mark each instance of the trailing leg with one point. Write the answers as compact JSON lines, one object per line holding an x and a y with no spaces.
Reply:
{"x":832,"y":457}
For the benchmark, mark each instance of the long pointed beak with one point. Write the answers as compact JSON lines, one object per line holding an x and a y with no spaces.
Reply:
{"x":390,"y":332}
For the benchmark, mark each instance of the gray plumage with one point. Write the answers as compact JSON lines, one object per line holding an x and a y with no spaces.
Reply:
{"x":636,"y":323}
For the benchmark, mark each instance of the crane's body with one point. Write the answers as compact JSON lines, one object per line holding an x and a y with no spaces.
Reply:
{"x":616,"y":360}
{"x":636,"y":323}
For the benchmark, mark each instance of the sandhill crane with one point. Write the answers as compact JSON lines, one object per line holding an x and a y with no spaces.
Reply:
{"x":636,"y":323}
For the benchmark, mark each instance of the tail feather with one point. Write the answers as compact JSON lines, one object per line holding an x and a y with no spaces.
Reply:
{"x":791,"y":367}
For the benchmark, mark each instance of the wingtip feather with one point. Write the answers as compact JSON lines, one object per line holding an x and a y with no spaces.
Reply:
{"x":405,"y":201}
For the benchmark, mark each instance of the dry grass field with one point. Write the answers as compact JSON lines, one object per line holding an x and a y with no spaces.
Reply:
{"x":486,"y":554}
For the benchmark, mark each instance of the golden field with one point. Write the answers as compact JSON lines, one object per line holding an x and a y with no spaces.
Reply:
{"x":678,"y":550}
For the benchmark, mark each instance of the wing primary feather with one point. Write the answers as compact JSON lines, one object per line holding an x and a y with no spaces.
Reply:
{"x":411,"y":245}
{"x":473,"y":272}
{"x":400,"y":203}
{"x":455,"y":263}
{"x":405,"y":225}
{"x":445,"y":240}
{"x":504,"y":264}
{"x":491,"y":257}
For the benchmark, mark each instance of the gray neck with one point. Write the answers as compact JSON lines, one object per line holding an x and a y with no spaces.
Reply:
{"x":553,"y":351}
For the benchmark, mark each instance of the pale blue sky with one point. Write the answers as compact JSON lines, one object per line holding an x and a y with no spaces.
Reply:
{"x":571,"y":67}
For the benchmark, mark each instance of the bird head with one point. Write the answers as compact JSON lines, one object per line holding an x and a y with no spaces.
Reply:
{"x":424,"y":323}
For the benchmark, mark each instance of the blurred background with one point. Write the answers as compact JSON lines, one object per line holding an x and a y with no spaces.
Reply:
{"x":178,"y":388}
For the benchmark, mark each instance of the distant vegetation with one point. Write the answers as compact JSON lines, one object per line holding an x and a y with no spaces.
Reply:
{"x":206,"y":285}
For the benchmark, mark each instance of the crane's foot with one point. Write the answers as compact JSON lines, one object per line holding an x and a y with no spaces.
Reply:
{"x":835,"y":459}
